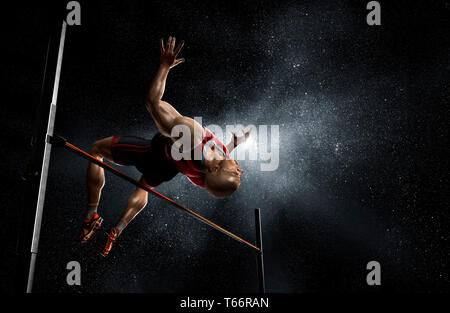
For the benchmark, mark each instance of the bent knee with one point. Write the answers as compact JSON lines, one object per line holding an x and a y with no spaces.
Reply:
{"x":95,"y":149}
{"x":102,"y":148}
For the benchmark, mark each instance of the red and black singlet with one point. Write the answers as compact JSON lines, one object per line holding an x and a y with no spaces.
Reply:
{"x":193,"y":167}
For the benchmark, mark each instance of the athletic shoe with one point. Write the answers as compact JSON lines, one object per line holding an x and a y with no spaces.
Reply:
{"x":112,"y":237}
{"x":90,"y":226}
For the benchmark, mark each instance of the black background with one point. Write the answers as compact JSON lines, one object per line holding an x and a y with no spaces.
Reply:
{"x":362,"y":121}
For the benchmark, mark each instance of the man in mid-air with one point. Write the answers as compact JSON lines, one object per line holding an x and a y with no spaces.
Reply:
{"x":207,"y":164}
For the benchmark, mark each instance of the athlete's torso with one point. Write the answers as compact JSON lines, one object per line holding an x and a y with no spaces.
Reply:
{"x":191,"y":163}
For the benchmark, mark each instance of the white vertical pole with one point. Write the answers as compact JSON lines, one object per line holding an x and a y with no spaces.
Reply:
{"x":259,"y":254}
{"x":45,"y":164}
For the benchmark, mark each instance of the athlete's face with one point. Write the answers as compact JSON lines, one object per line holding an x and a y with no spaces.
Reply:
{"x":230,"y":170}
{"x":224,"y":178}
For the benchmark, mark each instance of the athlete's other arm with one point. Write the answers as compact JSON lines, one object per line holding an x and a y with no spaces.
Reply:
{"x":237,"y":140}
{"x":164,"y":115}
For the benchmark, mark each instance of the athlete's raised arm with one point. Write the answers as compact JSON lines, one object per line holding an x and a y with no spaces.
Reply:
{"x":164,"y":115}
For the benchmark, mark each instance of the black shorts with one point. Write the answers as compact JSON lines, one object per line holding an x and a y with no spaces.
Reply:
{"x":148,"y":156}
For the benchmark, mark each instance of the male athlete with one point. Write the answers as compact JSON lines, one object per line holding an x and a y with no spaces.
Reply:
{"x":207,"y":164}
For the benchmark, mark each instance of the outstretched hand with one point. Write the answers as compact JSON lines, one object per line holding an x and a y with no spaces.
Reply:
{"x":169,"y":53}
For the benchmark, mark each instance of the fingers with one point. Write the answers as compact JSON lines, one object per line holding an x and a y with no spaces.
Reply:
{"x":178,"y":62}
{"x":170,"y":46}
{"x":167,"y":48}
{"x":178,"y":49}
{"x":161,"y":45}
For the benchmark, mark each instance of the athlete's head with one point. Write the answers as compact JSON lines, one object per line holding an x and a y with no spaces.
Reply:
{"x":223,"y":179}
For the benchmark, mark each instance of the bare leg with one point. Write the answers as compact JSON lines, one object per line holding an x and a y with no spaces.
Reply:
{"x":95,"y":178}
{"x":135,"y":204}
